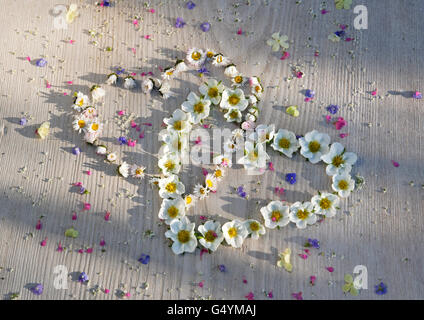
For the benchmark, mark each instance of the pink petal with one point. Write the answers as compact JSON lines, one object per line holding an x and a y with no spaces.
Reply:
{"x":396,"y":164}
{"x":330,"y":269}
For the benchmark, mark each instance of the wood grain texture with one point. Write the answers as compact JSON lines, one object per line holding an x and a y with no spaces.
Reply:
{"x":374,"y":228}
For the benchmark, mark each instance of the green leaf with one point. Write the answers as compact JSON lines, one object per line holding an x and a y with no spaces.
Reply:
{"x":354,"y":291}
{"x":347,"y":287}
{"x":71,"y":233}
{"x":348,"y":278}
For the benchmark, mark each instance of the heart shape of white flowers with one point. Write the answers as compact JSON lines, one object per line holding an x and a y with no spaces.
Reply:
{"x":314,"y":146}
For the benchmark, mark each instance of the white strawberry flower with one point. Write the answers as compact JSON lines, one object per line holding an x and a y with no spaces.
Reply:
{"x":314,"y":145}
{"x":182,"y":234}
{"x":338,"y":160}
{"x":302,"y":214}
{"x":285,"y":142}
{"x":234,"y":233}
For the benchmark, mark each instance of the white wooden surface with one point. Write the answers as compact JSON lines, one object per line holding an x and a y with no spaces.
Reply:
{"x":380,"y":230}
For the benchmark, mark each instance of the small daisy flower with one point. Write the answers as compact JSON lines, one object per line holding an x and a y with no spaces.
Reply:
{"x":223,"y":161}
{"x":172,"y":209}
{"x":219,"y":173}
{"x":169,"y":164}
{"x":138,"y":171}
{"x":111,"y":157}
{"x":124,"y":169}
{"x":211,"y":182}
{"x":94,"y":126}
{"x":212,"y":90}
{"x":91,"y":137}
{"x":255,"y":86}
{"x":285,"y":142}
{"x":220,"y":61}
{"x":101,"y":150}
{"x":237,"y":134}
{"x":112,"y":79}
{"x":90,"y":113}
{"x":233,"y":115}
{"x":231,"y":71}
{"x":275,"y":214}
{"x":179,"y":121}
{"x":233,"y":99}
{"x":230,"y":146}
{"x":254,"y":228}
{"x":165,"y":90}
{"x":81,"y":101}
{"x":238,"y":80}
{"x":263,"y":133}
{"x":171,"y":187}
{"x":182,"y":234}
{"x":147,"y":85}
{"x":234,"y":233}
{"x":180,"y":66}
{"x":189,"y":201}
{"x":201,"y":192}
{"x":211,"y":235}
{"x":278,"y":41}
{"x":80,"y":123}
{"x":129,"y":83}
{"x":209,"y":54}
{"x":253,"y":100}
{"x":168,"y":73}
{"x":343,"y":184}
{"x":97,"y":93}
{"x":255,"y":156}
{"x":302,"y":214}
{"x":326,"y":204}
{"x":338,"y":160}
{"x":314,"y":145}
{"x":196,"y":57}
{"x":197,"y":107}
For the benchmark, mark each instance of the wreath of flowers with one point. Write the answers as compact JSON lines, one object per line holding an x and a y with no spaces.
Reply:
{"x":232,"y":101}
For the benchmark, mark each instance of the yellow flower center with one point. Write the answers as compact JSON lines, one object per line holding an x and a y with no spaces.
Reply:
{"x":171,"y":187}
{"x":81,"y":102}
{"x":170,"y":165}
{"x":210,"y":236}
{"x":169,"y":73}
{"x":209,"y":183}
{"x":284,"y":143}
{"x":173,"y":212}
{"x":139,"y":171}
{"x":196,"y":55}
{"x":199,"y":107}
{"x":95,"y":126}
{"x":275,"y":215}
{"x":302,"y":214}
{"x":253,"y":156}
{"x":254,"y":226}
{"x":219,"y":59}
{"x":314,"y":146}
{"x":178,"y":125}
{"x":188,"y":200}
{"x":81,"y":123}
{"x":213,"y":92}
{"x":202,"y":191}
{"x":234,"y":99}
{"x":218,"y":173}
{"x":343,"y":185}
{"x":337,"y":161}
{"x":258,"y":89}
{"x":325,"y":204}
{"x":234,"y":114}
{"x":232,"y":232}
{"x":183,"y":236}
{"x":209,"y":54}
{"x":238,"y":79}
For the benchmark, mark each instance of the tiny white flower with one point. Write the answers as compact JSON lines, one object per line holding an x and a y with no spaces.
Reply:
{"x":112,"y":79}
{"x":170,"y":164}
{"x":80,"y":123}
{"x":238,"y":80}
{"x":231,"y":71}
{"x":97,"y":93}
{"x":256,"y":88}
{"x":220,"y":61}
{"x":182,"y":234}
{"x":197,"y":107}
{"x":250,"y":117}
{"x":314,"y":145}
{"x":255,"y":156}
{"x":129,"y":83}
{"x":180,"y":66}
{"x":165,"y":90}
{"x":285,"y":142}
{"x":195,"y":57}
{"x":210,"y":54}
{"x":172,"y":209}
{"x":101,"y":150}
{"x":253,"y":100}
{"x":91,"y":136}
{"x":223,"y":160}
{"x":326,"y":204}
{"x":219,"y":173}
{"x":234,"y":233}
{"x":189,"y":201}
{"x":212,"y":90}
{"x":138,"y":171}
{"x":168,"y":73}
{"x":171,"y":187}
{"x":263,"y":133}
{"x":230,"y":146}
{"x":275,"y":214}
{"x":147,"y":85}
{"x":302,"y":214}
{"x":94,"y":126}
{"x":111,"y":157}
{"x":233,"y":115}
{"x":212,"y":235}
{"x":80,"y":102}
{"x":338,"y":160}
{"x":278,"y":41}
{"x":211,"y":182}
{"x":343,"y":184}
{"x":90,"y":113}
{"x":124,"y":169}
{"x":201,"y":192}
{"x":254,"y":228}
{"x":238,"y":134}
{"x":179,"y":121}
{"x":233,"y":99}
